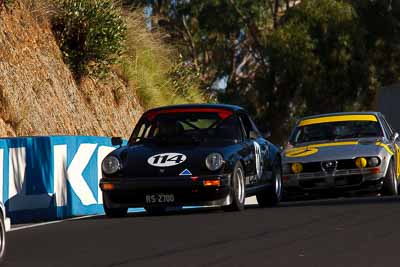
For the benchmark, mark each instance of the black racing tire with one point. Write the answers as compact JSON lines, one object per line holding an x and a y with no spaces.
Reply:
{"x":389,"y":187}
{"x":238,"y":192}
{"x":273,"y":195}
{"x":156,"y":210}
{"x":115,"y":212}
{"x":3,"y":238}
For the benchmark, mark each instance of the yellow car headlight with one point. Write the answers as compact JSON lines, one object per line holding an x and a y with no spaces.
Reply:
{"x":297,"y":167}
{"x":361,"y":162}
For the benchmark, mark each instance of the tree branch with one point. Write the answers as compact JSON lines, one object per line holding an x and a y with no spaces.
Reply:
{"x":254,"y":31}
{"x":191,"y":43}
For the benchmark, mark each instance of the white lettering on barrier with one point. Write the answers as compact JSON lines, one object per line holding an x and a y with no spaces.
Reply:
{"x":102,"y":152}
{"x":72,"y":173}
{"x":18,"y":199}
{"x":60,"y":173}
{"x":16,"y":170}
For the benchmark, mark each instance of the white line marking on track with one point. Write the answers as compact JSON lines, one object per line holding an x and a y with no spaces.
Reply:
{"x":249,"y":201}
{"x":52,"y":222}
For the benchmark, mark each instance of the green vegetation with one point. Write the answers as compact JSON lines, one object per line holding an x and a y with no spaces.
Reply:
{"x":283,"y":59}
{"x":150,"y":67}
{"x":97,"y":36}
{"x":315,"y":56}
{"x":5,"y":4}
{"x":90,"y":34}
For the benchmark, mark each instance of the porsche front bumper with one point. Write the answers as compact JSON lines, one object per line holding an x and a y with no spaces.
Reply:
{"x":187,"y":191}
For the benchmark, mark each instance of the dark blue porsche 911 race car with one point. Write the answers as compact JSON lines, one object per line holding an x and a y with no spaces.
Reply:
{"x":200,"y":154}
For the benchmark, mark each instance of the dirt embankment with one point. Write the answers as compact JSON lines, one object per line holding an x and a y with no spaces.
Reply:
{"x":38,"y":94}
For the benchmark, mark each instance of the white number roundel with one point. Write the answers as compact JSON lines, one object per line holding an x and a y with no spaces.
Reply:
{"x":166,"y":159}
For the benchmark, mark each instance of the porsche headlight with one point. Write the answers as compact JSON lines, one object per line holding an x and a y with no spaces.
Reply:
{"x":214,"y":161}
{"x":373,"y":162}
{"x":110,"y":165}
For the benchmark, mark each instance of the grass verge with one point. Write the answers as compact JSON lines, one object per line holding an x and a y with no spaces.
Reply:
{"x":154,"y":69}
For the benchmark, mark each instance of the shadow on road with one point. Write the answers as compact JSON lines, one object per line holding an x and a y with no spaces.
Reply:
{"x":183,"y":212}
{"x":337,"y":201}
{"x":305,"y":203}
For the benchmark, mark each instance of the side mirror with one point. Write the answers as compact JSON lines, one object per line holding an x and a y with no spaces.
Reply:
{"x":395,"y":136}
{"x":253,"y":135}
{"x":116,"y":141}
{"x":288,"y":145}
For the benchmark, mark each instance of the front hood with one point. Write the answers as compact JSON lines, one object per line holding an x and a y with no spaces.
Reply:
{"x":335,"y":150}
{"x":151,"y":160}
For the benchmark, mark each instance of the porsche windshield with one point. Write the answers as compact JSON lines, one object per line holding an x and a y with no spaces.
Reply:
{"x":187,"y":128}
{"x":336,"y":131}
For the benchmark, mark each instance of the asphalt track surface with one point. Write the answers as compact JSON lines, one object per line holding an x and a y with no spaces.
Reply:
{"x":337,"y":232}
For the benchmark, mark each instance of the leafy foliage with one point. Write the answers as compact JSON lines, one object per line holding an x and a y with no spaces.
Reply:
{"x":380,"y":21}
{"x":283,"y":59}
{"x":90,"y":34}
{"x":5,"y":3}
{"x":151,"y":68}
{"x":185,"y":80}
{"x":315,"y":64}
{"x":317,"y":55}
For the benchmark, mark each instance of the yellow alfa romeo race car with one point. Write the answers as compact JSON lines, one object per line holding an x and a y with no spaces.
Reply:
{"x":337,"y":153}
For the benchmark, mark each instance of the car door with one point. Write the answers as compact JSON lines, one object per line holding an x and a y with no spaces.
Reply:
{"x":266,"y":152}
{"x":256,"y":147}
{"x":395,"y":142}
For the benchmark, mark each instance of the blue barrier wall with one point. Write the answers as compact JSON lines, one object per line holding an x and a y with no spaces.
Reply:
{"x":51,"y":177}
